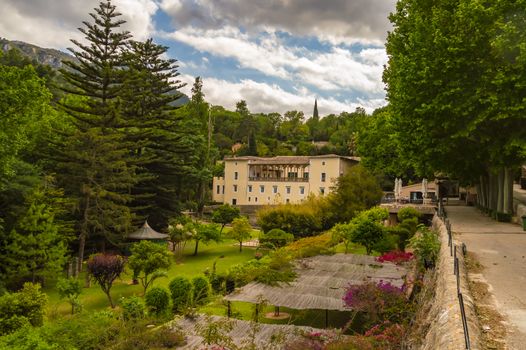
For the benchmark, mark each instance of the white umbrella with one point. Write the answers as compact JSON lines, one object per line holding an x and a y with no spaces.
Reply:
{"x":396,"y":189}
{"x":400,"y":185}
{"x":424,"y":188}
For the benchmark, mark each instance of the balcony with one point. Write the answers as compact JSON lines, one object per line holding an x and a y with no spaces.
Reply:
{"x":278,"y":179}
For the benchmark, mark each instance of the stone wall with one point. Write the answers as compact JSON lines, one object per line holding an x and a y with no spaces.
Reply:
{"x":446,"y":331}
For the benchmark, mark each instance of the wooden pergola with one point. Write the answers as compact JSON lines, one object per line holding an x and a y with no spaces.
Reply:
{"x":321,"y":282}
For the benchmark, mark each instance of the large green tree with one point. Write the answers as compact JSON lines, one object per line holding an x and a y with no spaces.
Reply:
{"x":94,"y":157}
{"x":153,"y":130}
{"x":454,"y":81}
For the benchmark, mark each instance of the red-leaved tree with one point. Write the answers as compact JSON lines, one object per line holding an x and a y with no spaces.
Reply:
{"x":105,"y":268}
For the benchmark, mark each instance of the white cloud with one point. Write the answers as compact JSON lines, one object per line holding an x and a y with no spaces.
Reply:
{"x":53,"y":23}
{"x":334,"y":70}
{"x":266,"y":98}
{"x":337,"y":21}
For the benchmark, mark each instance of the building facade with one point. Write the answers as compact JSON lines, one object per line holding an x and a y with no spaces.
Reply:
{"x":278,"y":180}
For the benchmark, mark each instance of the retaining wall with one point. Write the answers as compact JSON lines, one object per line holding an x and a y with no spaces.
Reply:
{"x":446,"y":331}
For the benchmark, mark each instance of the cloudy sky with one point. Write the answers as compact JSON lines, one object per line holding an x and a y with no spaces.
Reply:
{"x":278,"y":55}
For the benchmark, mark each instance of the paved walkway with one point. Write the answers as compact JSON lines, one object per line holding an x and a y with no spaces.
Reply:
{"x":501,"y":249}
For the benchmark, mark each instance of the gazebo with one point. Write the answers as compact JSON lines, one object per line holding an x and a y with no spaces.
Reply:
{"x":147,"y":233}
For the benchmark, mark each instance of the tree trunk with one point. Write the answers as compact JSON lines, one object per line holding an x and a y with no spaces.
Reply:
{"x":83,"y":233}
{"x":508,"y":191}
{"x":240,"y":245}
{"x":110,"y":299}
{"x":500,"y":191}
{"x":196,"y":245}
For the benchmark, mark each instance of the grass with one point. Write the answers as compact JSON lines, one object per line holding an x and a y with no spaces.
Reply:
{"x":246,"y":311}
{"x":225,"y":254}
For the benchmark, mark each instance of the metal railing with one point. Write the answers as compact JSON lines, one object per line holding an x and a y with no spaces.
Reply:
{"x":456,"y":271}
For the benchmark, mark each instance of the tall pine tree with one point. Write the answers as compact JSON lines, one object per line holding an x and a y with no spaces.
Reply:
{"x":153,"y":130}
{"x":95,"y":157}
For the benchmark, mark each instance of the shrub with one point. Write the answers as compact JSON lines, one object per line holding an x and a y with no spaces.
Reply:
{"x":201,"y":290}
{"x":181,"y":290}
{"x":299,"y":220}
{"x":402,"y":233}
{"x":397,"y":257}
{"x":312,"y":246}
{"x":271,"y":269}
{"x":387,"y":243}
{"x":276,"y":238}
{"x":22,"y":308}
{"x":380,"y":301}
{"x":157,"y":300}
{"x":217,"y":282}
{"x":426,"y":246}
{"x":132,"y":308}
{"x":70,"y":289}
{"x":408,"y":213}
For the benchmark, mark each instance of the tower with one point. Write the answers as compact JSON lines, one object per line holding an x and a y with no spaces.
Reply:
{"x":315,"y":115}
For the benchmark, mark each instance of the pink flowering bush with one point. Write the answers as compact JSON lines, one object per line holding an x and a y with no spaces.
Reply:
{"x":379,"y":301}
{"x":396,"y":257}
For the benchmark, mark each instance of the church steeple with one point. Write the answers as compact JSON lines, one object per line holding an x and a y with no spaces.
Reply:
{"x":315,"y":113}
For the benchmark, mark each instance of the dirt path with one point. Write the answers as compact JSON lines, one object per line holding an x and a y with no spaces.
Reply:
{"x":501,"y":249}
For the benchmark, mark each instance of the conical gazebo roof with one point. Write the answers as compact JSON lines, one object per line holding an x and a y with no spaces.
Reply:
{"x":146,"y":232}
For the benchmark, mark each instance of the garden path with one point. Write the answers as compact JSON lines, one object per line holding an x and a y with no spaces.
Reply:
{"x":501,"y":249}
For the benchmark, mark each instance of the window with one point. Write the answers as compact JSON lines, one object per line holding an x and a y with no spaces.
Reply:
{"x":293,"y":175}
{"x":256,"y":199}
{"x":234,"y":201}
{"x":262,"y":188}
{"x":223,"y":189}
{"x":235,"y":188}
{"x":306,"y":175}
{"x":275,"y":189}
{"x":323,"y":163}
{"x":302,"y":190}
{"x":249,"y":188}
{"x":249,"y":199}
{"x":323,"y":177}
{"x":288,"y":200}
{"x":235,"y":175}
{"x":322,"y":190}
{"x":288,"y":189}
{"x":218,"y":189}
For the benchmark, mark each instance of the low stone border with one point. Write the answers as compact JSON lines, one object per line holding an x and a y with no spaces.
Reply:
{"x":446,"y":329}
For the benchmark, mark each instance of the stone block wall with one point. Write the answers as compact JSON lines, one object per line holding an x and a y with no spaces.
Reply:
{"x":446,"y":331}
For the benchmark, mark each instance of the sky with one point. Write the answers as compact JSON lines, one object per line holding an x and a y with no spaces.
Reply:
{"x":278,"y":55}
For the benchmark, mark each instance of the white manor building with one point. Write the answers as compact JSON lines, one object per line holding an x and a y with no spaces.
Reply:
{"x":283,"y":179}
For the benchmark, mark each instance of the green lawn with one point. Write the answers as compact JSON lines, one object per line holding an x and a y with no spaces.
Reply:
{"x":225,"y":253}
{"x":312,"y":318}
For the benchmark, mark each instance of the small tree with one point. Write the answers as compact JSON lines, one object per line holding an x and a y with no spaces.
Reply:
{"x":147,"y":262}
{"x":225,"y":214}
{"x":205,"y":233}
{"x":343,"y":233}
{"x":70,"y":289}
{"x":181,"y":230}
{"x":181,"y":290}
{"x":105,"y":268}
{"x":241,"y":230}
{"x":367,"y":233}
{"x":408,"y":213}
